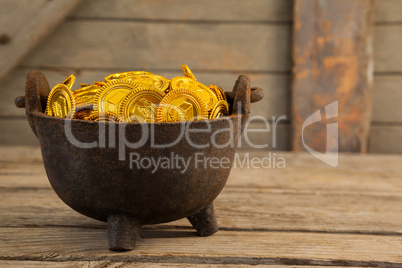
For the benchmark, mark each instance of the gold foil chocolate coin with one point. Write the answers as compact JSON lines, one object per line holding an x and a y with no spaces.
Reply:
{"x":110,"y":95}
{"x":220,"y":109}
{"x":206,"y":94}
{"x":83,"y":114}
{"x":105,"y":117}
{"x":220,"y":94}
{"x":125,"y":75}
{"x":69,"y":82}
{"x":140,"y":105}
{"x":176,"y":114}
{"x":86,"y":89}
{"x":99,"y":83}
{"x":181,"y":104}
{"x":60,"y":102}
{"x":151,"y":82}
{"x":85,"y":95}
{"x":187,"y":72}
{"x":138,"y":96}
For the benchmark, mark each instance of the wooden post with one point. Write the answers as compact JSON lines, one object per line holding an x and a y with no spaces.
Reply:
{"x":333,"y":62}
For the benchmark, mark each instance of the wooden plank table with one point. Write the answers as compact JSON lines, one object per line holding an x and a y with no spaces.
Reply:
{"x":308,"y":214}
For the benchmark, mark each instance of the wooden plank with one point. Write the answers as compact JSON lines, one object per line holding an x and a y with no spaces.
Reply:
{"x":352,"y":221}
{"x":22,"y":167}
{"x":332,"y":52}
{"x":236,"y":208}
{"x":27,"y":23}
{"x":388,"y":11}
{"x":387,"y":42}
{"x":253,"y":47}
{"x":206,"y":10}
{"x":32,"y":176}
{"x":276,"y":87}
{"x":230,"y":247}
{"x":109,"y":264}
{"x":12,"y":154}
{"x":16,"y":131}
{"x":263,"y":11}
{"x":387,"y":96}
{"x":14,"y":15}
{"x":354,"y":174}
{"x":72,"y":264}
{"x":386,"y":139}
{"x":362,"y":195}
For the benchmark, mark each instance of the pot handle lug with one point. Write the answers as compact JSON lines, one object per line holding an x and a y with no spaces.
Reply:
{"x":242,"y":96}
{"x":36,"y":91}
{"x":20,"y":102}
{"x":257,"y":94}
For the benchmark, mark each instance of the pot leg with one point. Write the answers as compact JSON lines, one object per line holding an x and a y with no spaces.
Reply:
{"x":123,"y":232}
{"x":204,"y":221}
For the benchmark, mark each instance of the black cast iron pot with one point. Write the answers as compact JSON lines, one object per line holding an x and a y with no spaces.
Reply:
{"x":96,"y":179}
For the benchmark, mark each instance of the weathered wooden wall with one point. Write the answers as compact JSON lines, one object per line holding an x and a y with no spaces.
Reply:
{"x":386,"y":130}
{"x":23,"y":24}
{"x":218,"y":39}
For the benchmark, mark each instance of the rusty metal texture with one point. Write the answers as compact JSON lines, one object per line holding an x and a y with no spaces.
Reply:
{"x":94,"y":182}
{"x":333,"y":61}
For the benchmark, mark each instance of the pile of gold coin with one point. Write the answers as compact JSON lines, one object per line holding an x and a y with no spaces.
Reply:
{"x":138,"y":96}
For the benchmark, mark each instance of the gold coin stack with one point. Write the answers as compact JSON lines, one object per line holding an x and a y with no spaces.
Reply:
{"x":138,"y":96}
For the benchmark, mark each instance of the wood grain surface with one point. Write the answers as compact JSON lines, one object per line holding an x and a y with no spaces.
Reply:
{"x":26,"y":23}
{"x":229,"y":11}
{"x":269,"y":62}
{"x":306,"y":214}
{"x":165,"y":46}
{"x":388,"y":11}
{"x":110,"y":264}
